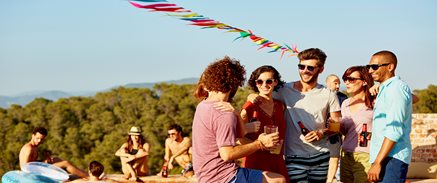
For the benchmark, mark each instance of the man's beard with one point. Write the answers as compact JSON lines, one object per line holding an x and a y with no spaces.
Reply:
{"x":312,"y":80}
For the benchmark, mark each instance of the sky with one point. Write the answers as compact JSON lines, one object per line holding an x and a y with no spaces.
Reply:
{"x":92,"y":45}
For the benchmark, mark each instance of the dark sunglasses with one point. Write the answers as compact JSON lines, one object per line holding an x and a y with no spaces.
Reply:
{"x":376,"y":66}
{"x":268,"y":81}
{"x":309,"y":67}
{"x":351,"y":79}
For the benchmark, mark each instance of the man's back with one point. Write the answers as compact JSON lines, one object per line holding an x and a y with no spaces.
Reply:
{"x":28,"y":153}
{"x":212,"y":129}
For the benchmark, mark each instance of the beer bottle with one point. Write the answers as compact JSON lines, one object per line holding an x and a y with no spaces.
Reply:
{"x":254,"y":117}
{"x":164,"y":172}
{"x":363,"y":136}
{"x":303,"y":129}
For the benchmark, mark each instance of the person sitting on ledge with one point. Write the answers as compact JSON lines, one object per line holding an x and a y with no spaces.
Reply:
{"x":133,"y":155}
{"x":177,"y":148}
{"x":29,"y":153}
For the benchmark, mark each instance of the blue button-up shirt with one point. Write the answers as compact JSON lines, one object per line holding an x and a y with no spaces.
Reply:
{"x":392,"y":119}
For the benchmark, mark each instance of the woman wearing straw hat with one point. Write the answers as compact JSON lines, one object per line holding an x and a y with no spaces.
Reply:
{"x":133,"y":155}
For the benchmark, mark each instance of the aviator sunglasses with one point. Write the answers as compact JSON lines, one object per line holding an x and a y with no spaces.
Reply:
{"x":309,"y":67}
{"x":268,"y":81}
{"x":376,"y":66}
{"x":350,"y":79}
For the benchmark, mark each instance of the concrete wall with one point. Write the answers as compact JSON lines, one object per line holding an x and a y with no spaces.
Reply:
{"x":424,"y":143}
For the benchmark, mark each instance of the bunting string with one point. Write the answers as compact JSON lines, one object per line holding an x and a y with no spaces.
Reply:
{"x":204,"y":22}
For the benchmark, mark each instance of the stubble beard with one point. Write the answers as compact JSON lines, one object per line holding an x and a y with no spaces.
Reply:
{"x":312,"y":80}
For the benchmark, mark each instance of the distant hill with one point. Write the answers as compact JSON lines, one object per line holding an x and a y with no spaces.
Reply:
{"x":150,"y":85}
{"x":23,"y":99}
{"x":6,"y":101}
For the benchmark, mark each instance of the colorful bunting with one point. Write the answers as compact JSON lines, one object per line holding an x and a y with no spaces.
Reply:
{"x":205,"y":22}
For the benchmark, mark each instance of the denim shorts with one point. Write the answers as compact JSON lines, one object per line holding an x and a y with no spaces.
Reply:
{"x":246,"y":175}
{"x":393,"y":171}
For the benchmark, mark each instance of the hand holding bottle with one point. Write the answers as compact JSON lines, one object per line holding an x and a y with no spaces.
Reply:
{"x":310,"y":136}
{"x":254,"y":125}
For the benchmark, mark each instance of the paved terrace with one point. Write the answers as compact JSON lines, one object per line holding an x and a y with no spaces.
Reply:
{"x":181,"y":179}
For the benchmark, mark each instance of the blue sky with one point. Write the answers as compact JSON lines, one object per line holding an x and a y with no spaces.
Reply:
{"x":91,"y":45}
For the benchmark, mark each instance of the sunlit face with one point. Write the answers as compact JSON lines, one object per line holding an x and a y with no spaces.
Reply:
{"x":380,"y":74}
{"x":266,"y":83}
{"x":135,"y":138}
{"x":333,"y":83}
{"x":354,"y":83}
{"x":173,"y":134}
{"x":308,"y":76}
{"x":37,"y":139}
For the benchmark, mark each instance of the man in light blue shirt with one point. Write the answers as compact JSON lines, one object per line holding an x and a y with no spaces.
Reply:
{"x":390,"y":145}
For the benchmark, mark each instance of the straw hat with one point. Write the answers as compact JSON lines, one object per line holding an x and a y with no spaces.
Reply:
{"x":135,"y":130}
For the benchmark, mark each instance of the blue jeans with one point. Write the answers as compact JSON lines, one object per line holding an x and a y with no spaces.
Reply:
{"x":246,"y":175}
{"x":393,"y":171}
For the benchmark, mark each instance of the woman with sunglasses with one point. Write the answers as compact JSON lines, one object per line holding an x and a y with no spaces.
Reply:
{"x":264,"y":80}
{"x":133,"y":155}
{"x":356,"y":111}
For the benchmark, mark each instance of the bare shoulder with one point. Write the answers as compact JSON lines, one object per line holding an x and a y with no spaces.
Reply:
{"x":26,"y":148}
{"x":187,"y":139}
{"x":167,"y":141}
{"x":146,"y":145}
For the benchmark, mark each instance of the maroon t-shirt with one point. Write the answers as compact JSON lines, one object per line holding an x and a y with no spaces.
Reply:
{"x":213,"y":129}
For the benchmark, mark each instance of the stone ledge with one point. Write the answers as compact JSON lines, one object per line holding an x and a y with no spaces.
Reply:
{"x":156,"y":179}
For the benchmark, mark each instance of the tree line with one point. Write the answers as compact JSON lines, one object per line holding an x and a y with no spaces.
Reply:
{"x":83,"y":129}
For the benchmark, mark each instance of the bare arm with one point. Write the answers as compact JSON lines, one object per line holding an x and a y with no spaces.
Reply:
{"x":229,"y":153}
{"x":167,"y":150}
{"x":186,"y":144}
{"x":333,"y":165}
{"x":240,"y":126}
{"x":375,"y":169}
{"x":251,"y":127}
{"x":335,"y":115}
{"x":122,"y":151}
{"x":143,"y":151}
{"x":317,"y":135}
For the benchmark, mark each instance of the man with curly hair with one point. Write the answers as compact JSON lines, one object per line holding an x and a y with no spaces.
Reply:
{"x":215,"y":131}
